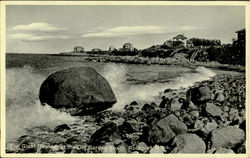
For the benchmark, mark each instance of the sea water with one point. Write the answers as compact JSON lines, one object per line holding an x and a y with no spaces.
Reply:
{"x":130,"y":82}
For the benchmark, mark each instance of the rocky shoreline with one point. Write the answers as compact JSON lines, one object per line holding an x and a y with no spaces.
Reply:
{"x":206,"y":118}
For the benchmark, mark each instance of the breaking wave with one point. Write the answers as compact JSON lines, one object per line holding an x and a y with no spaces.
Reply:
{"x":23,"y":108}
{"x":126,"y":93}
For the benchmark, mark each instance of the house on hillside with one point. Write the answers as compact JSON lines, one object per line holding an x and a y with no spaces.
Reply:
{"x":112,"y":48}
{"x":180,"y":40}
{"x":241,"y":38}
{"x":190,"y":43}
{"x":128,"y":47}
{"x":78,"y":49}
{"x":96,"y":50}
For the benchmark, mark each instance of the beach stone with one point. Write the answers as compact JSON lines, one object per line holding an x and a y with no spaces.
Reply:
{"x":219,"y":97}
{"x":61,"y":128}
{"x":174,"y":104}
{"x":233,"y":114}
{"x":157,"y":150}
{"x":198,"y":94}
{"x":164,"y":130}
{"x":148,"y":107}
{"x":226,"y":108}
{"x":142,"y":147}
{"x":213,"y":110}
{"x":191,"y":105}
{"x":107,"y":133}
{"x":210,"y":126}
{"x":194,"y":114}
{"x":188,"y":143}
{"x":82,"y":88}
{"x":227,"y":137}
{"x":164,"y":102}
{"x":129,"y":126}
{"x":224,"y":151}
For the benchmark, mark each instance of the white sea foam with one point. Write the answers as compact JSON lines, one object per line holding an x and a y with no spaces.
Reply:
{"x":23,"y":108}
{"x":116,"y":75}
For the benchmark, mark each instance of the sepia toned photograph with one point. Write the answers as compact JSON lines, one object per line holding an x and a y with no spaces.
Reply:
{"x":124,"y":78}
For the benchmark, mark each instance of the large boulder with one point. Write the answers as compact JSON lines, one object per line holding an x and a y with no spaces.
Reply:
{"x":227,"y":137}
{"x":188,"y":143}
{"x":82,"y":88}
{"x":163,"y":130}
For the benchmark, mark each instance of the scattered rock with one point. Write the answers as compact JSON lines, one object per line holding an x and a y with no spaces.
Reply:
{"x":78,"y":87}
{"x":213,"y":110}
{"x":227,"y":137}
{"x":164,"y":130}
{"x":148,"y":107}
{"x":174,"y":104}
{"x":157,"y":150}
{"x":129,"y":126}
{"x":61,"y":128}
{"x":188,"y":143}
{"x":164,"y":102}
{"x":195,"y":114}
{"x":219,"y":97}
{"x":107,"y":133}
{"x":198,"y":94}
{"x":233,"y":114}
{"x":142,"y":147}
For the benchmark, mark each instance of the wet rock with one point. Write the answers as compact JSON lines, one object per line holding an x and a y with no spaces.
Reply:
{"x":164,"y":102}
{"x":174,"y":104}
{"x":219,"y":97}
{"x":133,"y":103}
{"x":224,"y":151}
{"x":198,"y":94}
{"x":188,"y":143}
{"x":129,"y":126}
{"x":107,"y":133}
{"x":148,"y":107}
{"x":61,"y":128}
{"x":82,"y":88}
{"x":227,"y":137}
{"x":164,"y":130}
{"x":213,"y":110}
{"x":157,"y":150}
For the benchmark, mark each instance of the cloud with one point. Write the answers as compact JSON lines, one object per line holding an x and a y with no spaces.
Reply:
{"x":34,"y":38}
{"x":122,"y":31}
{"x":38,"y":27}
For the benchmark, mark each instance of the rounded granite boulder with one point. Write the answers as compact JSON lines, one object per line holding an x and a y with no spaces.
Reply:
{"x":80,"y":88}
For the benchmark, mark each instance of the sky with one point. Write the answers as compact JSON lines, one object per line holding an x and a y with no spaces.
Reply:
{"x":58,"y":28}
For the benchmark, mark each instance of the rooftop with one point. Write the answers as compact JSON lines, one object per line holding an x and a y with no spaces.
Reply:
{"x":181,"y":36}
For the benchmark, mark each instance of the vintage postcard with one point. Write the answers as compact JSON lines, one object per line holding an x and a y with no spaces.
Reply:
{"x":124,"y":78}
